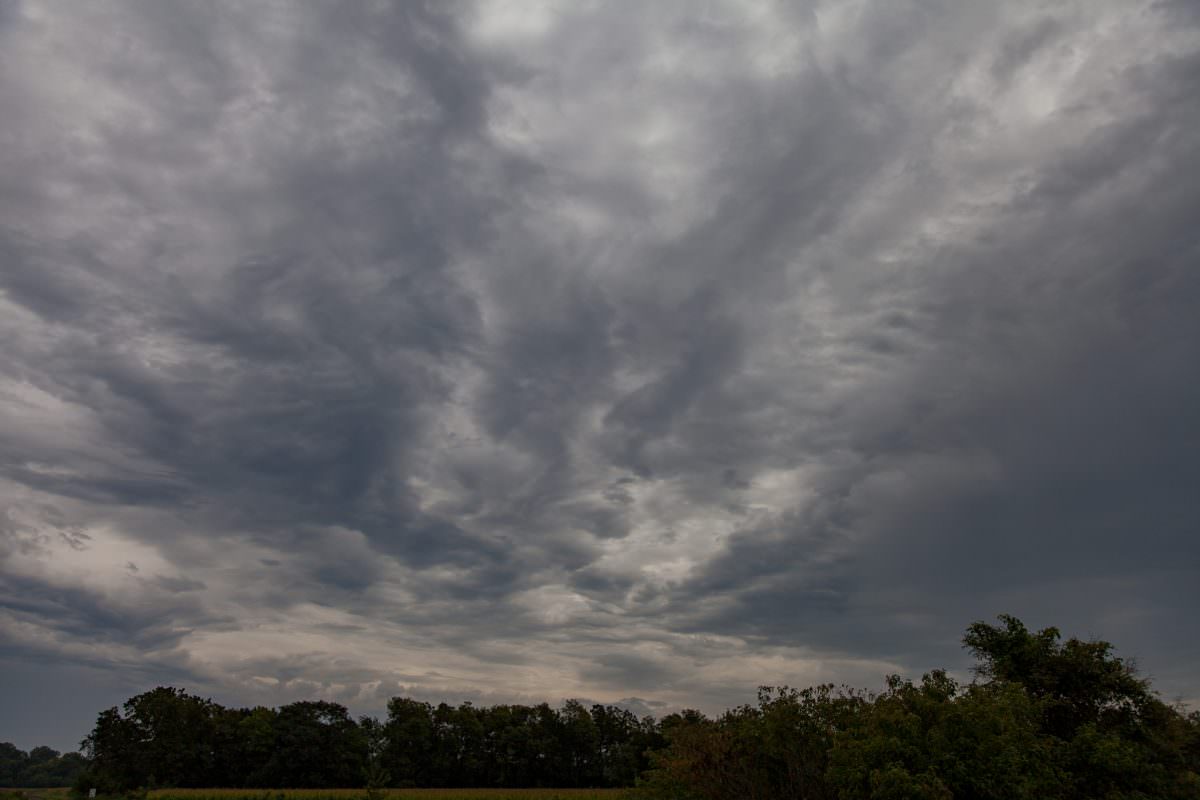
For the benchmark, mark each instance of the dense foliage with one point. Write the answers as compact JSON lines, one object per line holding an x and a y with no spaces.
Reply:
{"x":166,"y":737}
{"x":1044,"y":719}
{"x":486,"y":793}
{"x":40,"y":767}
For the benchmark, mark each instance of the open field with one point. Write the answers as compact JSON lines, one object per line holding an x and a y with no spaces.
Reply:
{"x":392,"y":794}
{"x":346,"y":794}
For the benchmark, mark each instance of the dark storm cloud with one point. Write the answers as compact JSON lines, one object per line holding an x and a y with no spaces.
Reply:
{"x":653,"y":352}
{"x":629,"y":670}
{"x":1050,"y":438}
{"x":302,"y":356}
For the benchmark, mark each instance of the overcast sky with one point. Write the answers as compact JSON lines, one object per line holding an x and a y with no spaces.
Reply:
{"x":523,"y":351}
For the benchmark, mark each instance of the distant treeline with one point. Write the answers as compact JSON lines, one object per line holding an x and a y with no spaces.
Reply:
{"x":40,"y":767}
{"x":1045,"y":719}
{"x":166,"y":737}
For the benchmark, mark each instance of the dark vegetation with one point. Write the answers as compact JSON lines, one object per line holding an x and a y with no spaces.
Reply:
{"x":166,"y":737}
{"x":1043,"y":719}
{"x":39,"y":768}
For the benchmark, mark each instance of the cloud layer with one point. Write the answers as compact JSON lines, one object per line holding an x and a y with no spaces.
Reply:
{"x":519,"y":352}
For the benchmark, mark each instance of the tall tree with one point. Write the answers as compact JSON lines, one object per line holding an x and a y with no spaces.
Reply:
{"x":317,"y":745}
{"x":12,"y":763}
{"x":1078,"y":682}
{"x":175,"y":733}
{"x":410,"y":742}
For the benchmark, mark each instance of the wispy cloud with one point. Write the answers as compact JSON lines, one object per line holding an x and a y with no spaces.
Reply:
{"x":476,"y":351}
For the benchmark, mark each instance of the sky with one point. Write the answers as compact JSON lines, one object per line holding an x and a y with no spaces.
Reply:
{"x":640,"y":353}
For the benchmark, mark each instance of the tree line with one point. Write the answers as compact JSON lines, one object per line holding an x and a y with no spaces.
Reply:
{"x":39,"y":768}
{"x":1044,"y":718}
{"x":167,"y":737}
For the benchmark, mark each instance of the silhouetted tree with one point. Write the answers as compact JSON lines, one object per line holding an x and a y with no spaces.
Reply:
{"x":317,"y":745}
{"x":1046,"y":719}
{"x":1043,"y":719}
{"x":39,"y":768}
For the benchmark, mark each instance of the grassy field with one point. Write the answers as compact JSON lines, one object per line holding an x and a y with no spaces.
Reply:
{"x":345,"y":794}
{"x":392,"y":794}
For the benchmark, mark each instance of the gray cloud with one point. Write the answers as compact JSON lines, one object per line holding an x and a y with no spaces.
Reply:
{"x":472,"y":354}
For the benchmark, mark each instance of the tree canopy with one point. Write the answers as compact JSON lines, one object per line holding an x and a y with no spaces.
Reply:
{"x":40,"y":767}
{"x":1044,"y":718}
{"x":167,"y":737}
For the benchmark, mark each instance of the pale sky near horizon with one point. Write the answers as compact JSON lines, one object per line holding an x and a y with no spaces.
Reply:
{"x":640,"y":352}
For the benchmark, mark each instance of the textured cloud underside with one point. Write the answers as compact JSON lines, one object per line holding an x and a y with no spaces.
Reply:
{"x":521,"y":352}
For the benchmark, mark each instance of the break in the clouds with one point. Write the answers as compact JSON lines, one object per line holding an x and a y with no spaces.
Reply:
{"x":640,"y":352}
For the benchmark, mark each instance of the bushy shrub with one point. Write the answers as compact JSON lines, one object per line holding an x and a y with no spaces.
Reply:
{"x":1047,"y":720}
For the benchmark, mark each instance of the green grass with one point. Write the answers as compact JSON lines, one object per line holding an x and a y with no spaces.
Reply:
{"x":391,"y":794}
{"x":340,"y":794}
